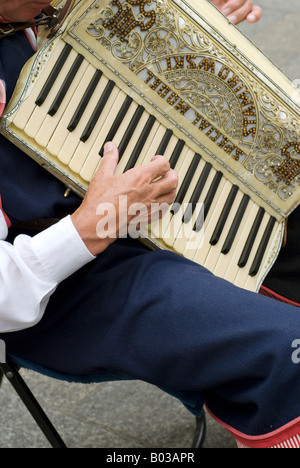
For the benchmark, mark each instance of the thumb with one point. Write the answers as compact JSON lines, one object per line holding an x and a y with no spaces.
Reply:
{"x":110,"y":159}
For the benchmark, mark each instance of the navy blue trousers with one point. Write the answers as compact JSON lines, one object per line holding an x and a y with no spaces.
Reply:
{"x":158,"y":317}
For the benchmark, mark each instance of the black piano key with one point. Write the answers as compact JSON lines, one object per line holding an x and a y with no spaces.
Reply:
{"x":197,"y":193}
{"x":208,"y":201}
{"x":140,"y":143}
{"x":119,"y":119}
{"x":235,"y":225}
{"x":130,"y":129}
{"x":84,"y":101}
{"x":53,"y":75}
{"x":186,"y":183}
{"x":97,"y":112}
{"x":164,"y":143}
{"x":262,"y":248}
{"x":251,"y":238}
{"x":66,"y":85}
{"x":176,"y":153}
{"x":212,"y":192}
{"x":224,"y":215}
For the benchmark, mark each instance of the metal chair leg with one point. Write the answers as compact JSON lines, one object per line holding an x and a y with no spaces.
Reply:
{"x":12,"y":374}
{"x":200,"y":431}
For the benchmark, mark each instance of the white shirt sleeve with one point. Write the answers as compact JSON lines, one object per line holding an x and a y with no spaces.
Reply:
{"x":32,"y":268}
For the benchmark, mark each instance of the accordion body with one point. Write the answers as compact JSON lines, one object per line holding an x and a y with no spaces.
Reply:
{"x":174,"y":78}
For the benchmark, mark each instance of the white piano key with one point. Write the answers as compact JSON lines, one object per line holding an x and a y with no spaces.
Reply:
{"x":170,"y":148}
{"x":170,"y":236}
{"x":119,"y":135}
{"x":200,"y":240}
{"x":242,"y":277}
{"x":158,"y":228}
{"x":215,"y":251}
{"x":61,"y":132}
{"x":73,"y":139}
{"x":24,"y":113}
{"x":199,"y":255}
{"x":93,"y":158}
{"x":51,"y":122}
{"x":133,"y":140}
{"x":234,"y":268}
{"x":187,"y":237}
{"x":154,"y":138}
{"x":82,"y":151}
{"x":252,"y":283}
{"x":40,"y":112}
{"x":228,"y":264}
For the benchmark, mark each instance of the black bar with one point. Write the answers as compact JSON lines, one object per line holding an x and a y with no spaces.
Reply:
{"x":140,"y":143}
{"x":235,"y":225}
{"x":251,"y":238}
{"x":164,"y":143}
{"x":208,"y":200}
{"x":212,"y":192}
{"x":176,"y":153}
{"x":224,"y":215}
{"x":66,"y":85}
{"x":186,"y":183}
{"x":120,"y":117}
{"x":98,"y":110}
{"x":262,"y":248}
{"x":197,"y":193}
{"x":53,"y":75}
{"x":130,"y":129}
{"x":84,"y":101}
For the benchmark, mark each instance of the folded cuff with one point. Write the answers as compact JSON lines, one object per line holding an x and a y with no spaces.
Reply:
{"x":60,"y":250}
{"x":286,"y":436}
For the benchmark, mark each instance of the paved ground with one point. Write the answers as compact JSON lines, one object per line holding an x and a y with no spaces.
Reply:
{"x":120,"y":415}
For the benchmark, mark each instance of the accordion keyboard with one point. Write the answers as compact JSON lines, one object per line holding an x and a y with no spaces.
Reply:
{"x":75,"y":109}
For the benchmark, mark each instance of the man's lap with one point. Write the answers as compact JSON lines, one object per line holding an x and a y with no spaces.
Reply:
{"x":157,"y":317}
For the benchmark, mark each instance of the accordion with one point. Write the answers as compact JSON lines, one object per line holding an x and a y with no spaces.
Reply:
{"x":173,"y":78}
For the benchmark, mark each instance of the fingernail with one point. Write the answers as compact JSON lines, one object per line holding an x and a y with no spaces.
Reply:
{"x":226,"y":12}
{"x":108,"y":147}
{"x":233,"y":19}
{"x":251,"y":18}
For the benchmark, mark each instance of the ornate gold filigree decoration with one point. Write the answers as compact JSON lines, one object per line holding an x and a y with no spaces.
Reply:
{"x":192,"y":73}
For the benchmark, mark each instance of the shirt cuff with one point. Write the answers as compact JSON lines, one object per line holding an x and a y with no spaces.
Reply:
{"x":61,"y":250}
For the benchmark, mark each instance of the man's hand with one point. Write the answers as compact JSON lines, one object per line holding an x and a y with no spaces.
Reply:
{"x":113,"y":203}
{"x":239,"y":10}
